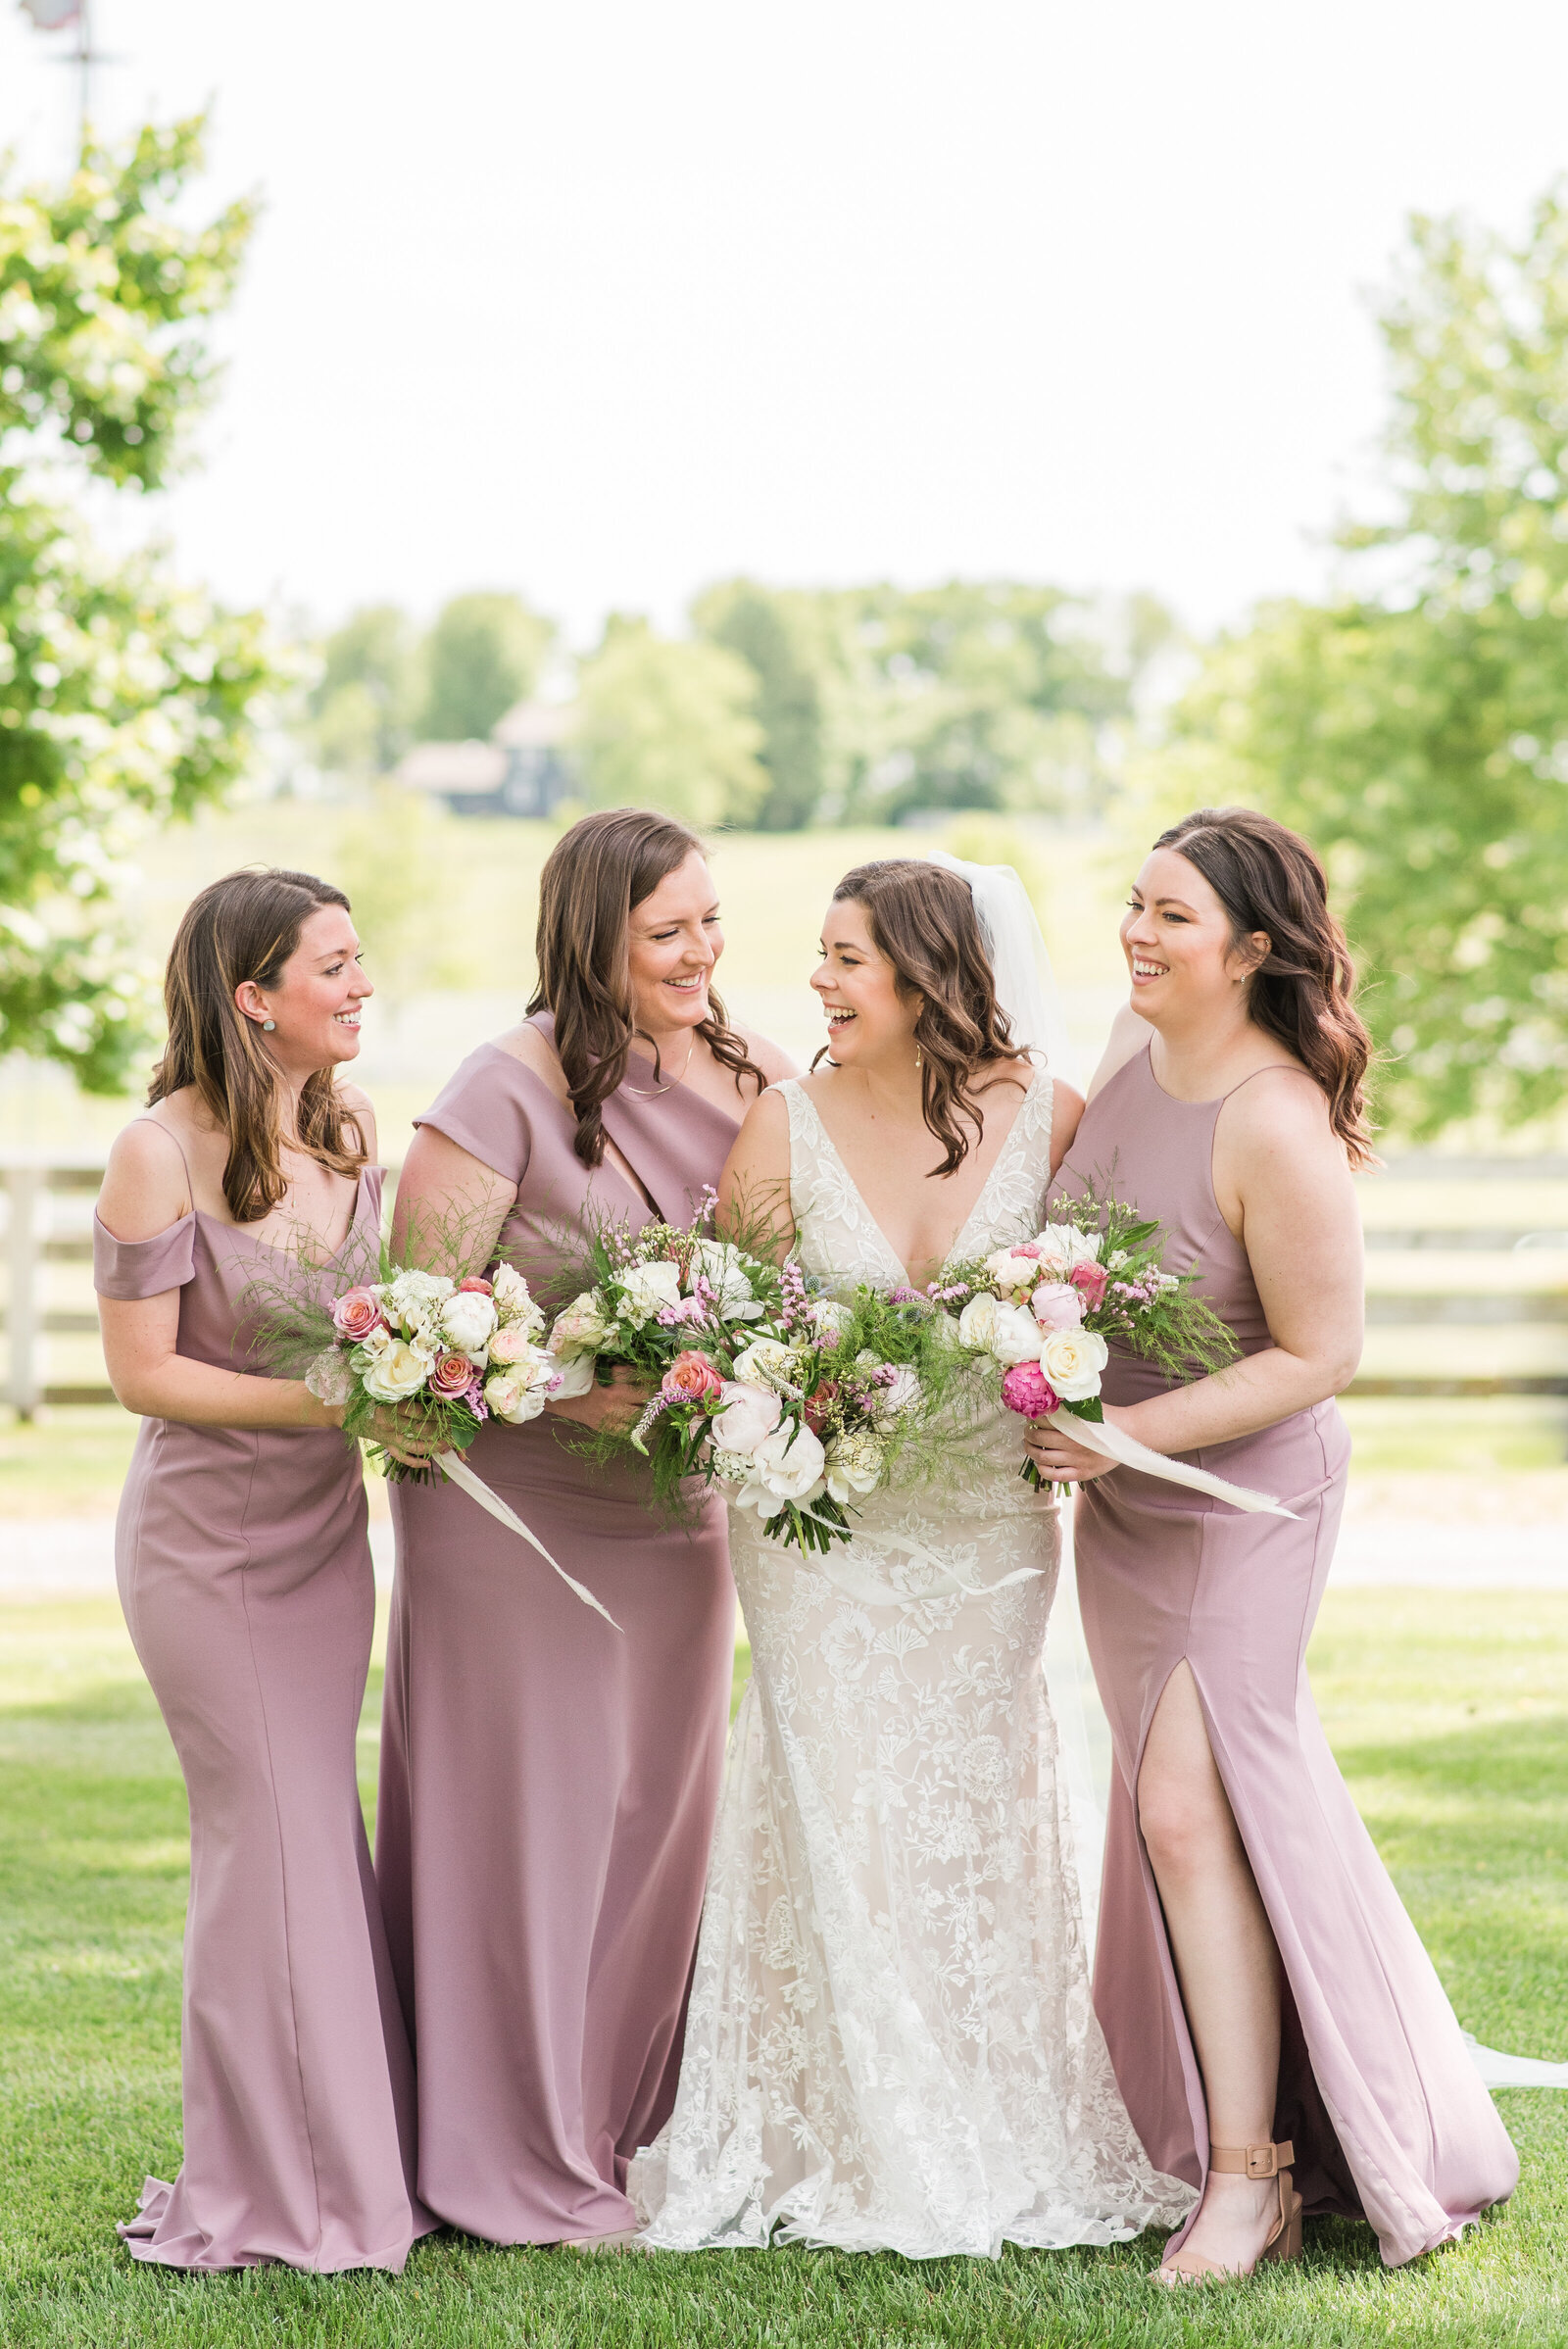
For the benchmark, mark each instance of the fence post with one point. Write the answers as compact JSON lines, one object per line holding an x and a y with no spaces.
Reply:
{"x":26,"y":1186}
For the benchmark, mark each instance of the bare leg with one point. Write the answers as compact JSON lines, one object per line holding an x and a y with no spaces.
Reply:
{"x":1226,"y":1963}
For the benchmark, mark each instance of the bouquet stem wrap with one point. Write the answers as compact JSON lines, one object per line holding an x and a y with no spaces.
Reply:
{"x":1112,"y":1443}
{"x":454,"y":1465}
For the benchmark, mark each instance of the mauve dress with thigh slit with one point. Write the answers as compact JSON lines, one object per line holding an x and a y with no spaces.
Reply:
{"x":549,"y":1784}
{"x":1389,"y":2116}
{"x":244,"y":1571}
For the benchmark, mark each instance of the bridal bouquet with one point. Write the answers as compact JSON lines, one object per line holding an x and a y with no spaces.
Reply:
{"x":1043,"y":1314}
{"x":449,"y":1353}
{"x":794,"y":1404}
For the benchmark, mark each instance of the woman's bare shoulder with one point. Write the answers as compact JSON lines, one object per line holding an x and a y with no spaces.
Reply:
{"x":771,"y":1058}
{"x":524,"y":1042}
{"x":1129,"y":1034}
{"x":146,"y":1186}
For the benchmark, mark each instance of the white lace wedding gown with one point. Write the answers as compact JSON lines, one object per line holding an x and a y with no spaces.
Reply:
{"x":890,"y":2044}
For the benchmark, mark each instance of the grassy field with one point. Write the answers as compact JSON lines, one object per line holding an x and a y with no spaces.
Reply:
{"x":1447,"y":1712}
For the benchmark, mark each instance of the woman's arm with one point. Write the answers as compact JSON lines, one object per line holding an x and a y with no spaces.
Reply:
{"x":144,"y":1191}
{"x":754,"y":1189}
{"x":1066,"y":1108}
{"x":1278,"y":1159}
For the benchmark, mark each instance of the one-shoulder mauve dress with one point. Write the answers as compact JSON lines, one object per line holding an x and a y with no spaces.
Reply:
{"x":244,"y":1571}
{"x":549,"y":1784}
{"x":1389,"y":2116}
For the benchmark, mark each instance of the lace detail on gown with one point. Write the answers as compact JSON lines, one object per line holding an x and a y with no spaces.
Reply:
{"x":890,"y":2043}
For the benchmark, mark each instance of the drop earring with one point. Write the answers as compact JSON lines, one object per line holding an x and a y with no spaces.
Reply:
{"x":920,"y":1057}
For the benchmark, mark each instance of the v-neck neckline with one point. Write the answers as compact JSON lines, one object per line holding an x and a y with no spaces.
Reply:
{"x":954,"y":1250}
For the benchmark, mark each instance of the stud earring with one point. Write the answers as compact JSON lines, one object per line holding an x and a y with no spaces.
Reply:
{"x":268,"y":1025}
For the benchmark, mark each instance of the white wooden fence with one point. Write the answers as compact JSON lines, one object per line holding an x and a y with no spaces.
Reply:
{"x":1467,"y":1278}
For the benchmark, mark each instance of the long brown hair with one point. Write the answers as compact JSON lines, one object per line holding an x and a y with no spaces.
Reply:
{"x":594,"y":876}
{"x":922,"y":919}
{"x":246,"y":926}
{"x":1267,"y":878}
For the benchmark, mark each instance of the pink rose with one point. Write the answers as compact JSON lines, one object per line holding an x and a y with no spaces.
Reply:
{"x":1057,"y":1305}
{"x":1090,"y":1281}
{"x":1025,"y":1390}
{"x":355,"y":1314}
{"x":453,"y":1375}
{"x":476,"y":1286}
{"x":690,"y":1379}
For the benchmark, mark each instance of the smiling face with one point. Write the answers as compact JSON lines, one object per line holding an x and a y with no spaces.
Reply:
{"x":673,"y":940}
{"x":315,"y":1001}
{"x":866,"y":1015}
{"x":1176,"y":935}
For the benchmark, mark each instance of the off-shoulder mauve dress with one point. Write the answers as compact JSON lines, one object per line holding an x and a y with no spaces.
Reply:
{"x":549,"y":1784}
{"x":1389,"y":2116}
{"x":244,"y":1571}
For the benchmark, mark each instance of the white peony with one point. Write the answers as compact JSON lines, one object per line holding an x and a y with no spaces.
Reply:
{"x":787,"y":1465}
{"x":469,"y":1320}
{"x":1061,"y":1246}
{"x":744,"y":1416}
{"x":393,"y":1370}
{"x":900,"y":1395}
{"x":582,"y":1328}
{"x":855,"y":1464}
{"x":645,"y":1288}
{"x":1011,"y":1271}
{"x":515,"y":1301}
{"x":978,"y":1320}
{"x":768,"y":1362}
{"x":722,"y":1267}
{"x":1072,"y":1360}
{"x":415,"y":1299}
{"x":1015,"y":1336}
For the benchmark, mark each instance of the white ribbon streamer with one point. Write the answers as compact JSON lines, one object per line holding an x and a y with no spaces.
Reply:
{"x":1499,"y":2071}
{"x":453,"y":1465}
{"x":1105,"y":1437}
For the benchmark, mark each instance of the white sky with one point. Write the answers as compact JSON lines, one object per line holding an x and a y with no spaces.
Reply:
{"x":607,"y":300}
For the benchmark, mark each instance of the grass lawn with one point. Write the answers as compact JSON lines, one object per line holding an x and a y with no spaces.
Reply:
{"x":1447,"y":1711}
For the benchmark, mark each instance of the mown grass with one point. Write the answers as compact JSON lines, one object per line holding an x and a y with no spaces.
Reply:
{"x":1447,"y":1712}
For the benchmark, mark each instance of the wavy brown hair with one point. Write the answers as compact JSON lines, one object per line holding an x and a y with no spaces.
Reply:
{"x":1303,"y":993}
{"x":922,"y":919}
{"x":594,"y":876}
{"x":246,"y":926}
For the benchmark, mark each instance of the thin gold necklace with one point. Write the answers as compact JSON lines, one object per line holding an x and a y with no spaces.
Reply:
{"x":646,"y":1092}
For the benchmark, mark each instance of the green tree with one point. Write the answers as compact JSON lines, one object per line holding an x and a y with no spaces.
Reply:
{"x":363,"y":705}
{"x":483,"y":655}
{"x":765,"y":628}
{"x":123,"y":699}
{"x":668,"y":723}
{"x":1418,"y":732}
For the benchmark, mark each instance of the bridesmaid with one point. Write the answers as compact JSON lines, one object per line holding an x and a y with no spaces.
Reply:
{"x":548,"y":1784}
{"x":1268,"y":2004}
{"x":244,"y":1571}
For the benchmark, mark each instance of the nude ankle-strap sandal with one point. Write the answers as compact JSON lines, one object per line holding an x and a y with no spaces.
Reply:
{"x":1284,"y":2239}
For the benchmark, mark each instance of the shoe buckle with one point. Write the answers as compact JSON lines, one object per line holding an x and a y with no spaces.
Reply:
{"x":1261,"y":2160}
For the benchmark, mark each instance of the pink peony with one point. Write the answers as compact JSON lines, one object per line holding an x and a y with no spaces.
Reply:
{"x":690,"y":1379}
{"x":355,"y":1314}
{"x":1057,"y":1305}
{"x":1025,"y":1390}
{"x":453,"y":1375}
{"x":476,"y":1286}
{"x":1090,"y":1281}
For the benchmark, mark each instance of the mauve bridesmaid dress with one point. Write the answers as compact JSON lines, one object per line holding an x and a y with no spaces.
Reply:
{"x":548,"y":1784}
{"x":1390,"y":2119}
{"x":244,"y":1571}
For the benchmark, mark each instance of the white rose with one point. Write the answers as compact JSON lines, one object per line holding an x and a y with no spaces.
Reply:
{"x":788,"y":1464}
{"x":516,"y":1397}
{"x":582,"y":1328}
{"x":978,"y":1320}
{"x":330,"y":1378}
{"x":1015,"y":1336}
{"x":746,"y":1414}
{"x":855,"y":1464}
{"x":1072,"y":1360}
{"x":415,"y":1299}
{"x":392,"y":1372}
{"x":1011,"y":1271}
{"x":468,"y":1319}
{"x":645,"y":1288}
{"x":1061,"y":1246}
{"x":767,"y":1362}
{"x":511,"y":1344}
{"x":900,"y":1394}
{"x":566,"y":1380}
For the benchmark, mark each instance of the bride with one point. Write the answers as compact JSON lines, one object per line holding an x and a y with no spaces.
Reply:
{"x":891,"y":2045}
